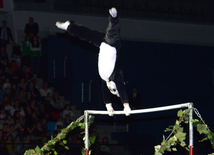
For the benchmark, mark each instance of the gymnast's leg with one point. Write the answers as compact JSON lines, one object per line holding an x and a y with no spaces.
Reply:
{"x":119,"y":81}
{"x":107,"y":98}
{"x":112,"y":35}
{"x":82,"y":32}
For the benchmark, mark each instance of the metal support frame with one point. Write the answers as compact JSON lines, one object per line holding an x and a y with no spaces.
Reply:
{"x":191,"y":150}
{"x":86,"y":133}
{"x":164,"y":108}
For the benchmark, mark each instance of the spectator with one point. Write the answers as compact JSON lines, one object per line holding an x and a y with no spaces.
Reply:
{"x":29,"y":98}
{"x":3,"y":53}
{"x":34,"y":91}
{"x":39,"y":131}
{"x":44,"y":124}
{"x":22,"y":84}
{"x":67,"y":121}
{"x":56,"y":102}
{"x":9,"y":95}
{"x":36,"y":54}
{"x":44,"y":140}
{"x":1,"y":75}
{"x":67,"y":111}
{"x":26,"y":52}
{"x":35,"y":83}
{"x":3,"y":65}
{"x":9,"y":119}
{"x":8,"y":73}
{"x":3,"y":148}
{"x":135,"y":99}
{"x":28,"y":114}
{"x":9,"y":143}
{"x":5,"y":129}
{"x":44,"y":112}
{"x":31,"y":28}
{"x":17,"y":108}
{"x":26,"y":46}
{"x":33,"y":119}
{"x":59,"y":123}
{"x":105,"y":145}
{"x":48,"y":98}
{"x":5,"y":35}
{"x":93,"y":130}
{"x":12,"y":131}
{"x":57,"y":131}
{"x":17,"y":149}
{"x":26,"y":142}
{"x":7,"y":84}
{"x":7,"y":105}
{"x":45,"y":90}
{"x":33,"y":106}
{"x":14,"y":90}
{"x":35,"y":47}
{"x":30,"y":128}
{"x":13,"y":76}
{"x":21,"y":98}
{"x":18,"y":125}
{"x":13,"y":66}
{"x":1,"y":85}
{"x":1,"y":136}
{"x":19,"y":117}
{"x":2,"y":116}
{"x":27,"y":74}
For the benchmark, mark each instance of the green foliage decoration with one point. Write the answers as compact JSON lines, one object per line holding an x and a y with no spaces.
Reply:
{"x":179,"y":135}
{"x":48,"y":148}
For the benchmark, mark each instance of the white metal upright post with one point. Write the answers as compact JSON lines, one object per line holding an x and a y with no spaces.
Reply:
{"x":191,"y":150}
{"x":86,"y":133}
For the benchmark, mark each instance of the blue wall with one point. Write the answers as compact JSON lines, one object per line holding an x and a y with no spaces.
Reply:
{"x":81,"y":67}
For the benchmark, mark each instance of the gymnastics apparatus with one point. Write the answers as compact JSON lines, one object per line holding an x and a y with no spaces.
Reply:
{"x":140,"y":111}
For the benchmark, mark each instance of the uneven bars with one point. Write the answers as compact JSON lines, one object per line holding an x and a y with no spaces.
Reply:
{"x":176,"y":106}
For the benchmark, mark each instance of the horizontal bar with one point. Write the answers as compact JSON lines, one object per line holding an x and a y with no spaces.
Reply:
{"x":176,"y":106}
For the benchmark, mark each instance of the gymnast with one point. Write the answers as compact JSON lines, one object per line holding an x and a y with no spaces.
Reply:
{"x":109,"y":44}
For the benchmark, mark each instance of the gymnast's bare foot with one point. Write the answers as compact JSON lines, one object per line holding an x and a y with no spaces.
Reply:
{"x":113,"y":12}
{"x":62,"y":25}
{"x":110,"y":109}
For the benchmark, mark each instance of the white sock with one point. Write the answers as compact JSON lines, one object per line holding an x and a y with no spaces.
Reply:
{"x":63,"y":26}
{"x":126,"y":109}
{"x":110,"y":109}
{"x":113,"y":12}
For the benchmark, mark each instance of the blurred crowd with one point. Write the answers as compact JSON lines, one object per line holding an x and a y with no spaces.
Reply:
{"x":27,"y":110}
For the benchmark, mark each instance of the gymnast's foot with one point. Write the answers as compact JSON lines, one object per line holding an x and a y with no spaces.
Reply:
{"x":110,"y":109}
{"x":126,"y":109}
{"x":63,"y":26}
{"x":113,"y":12}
